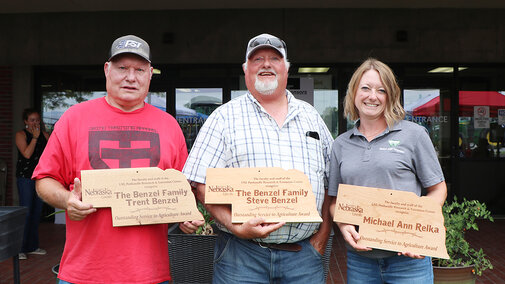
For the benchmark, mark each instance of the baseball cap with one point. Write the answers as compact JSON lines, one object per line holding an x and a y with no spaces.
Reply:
{"x":266,"y":40}
{"x":130,"y":44}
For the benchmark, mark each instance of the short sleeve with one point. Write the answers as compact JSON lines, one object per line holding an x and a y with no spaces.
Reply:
{"x":426,"y":163}
{"x":335,"y":176}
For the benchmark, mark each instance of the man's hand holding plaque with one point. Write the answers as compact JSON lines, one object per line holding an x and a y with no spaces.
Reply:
{"x":273,"y":194}
{"x":139,"y":196}
{"x":393,"y":220}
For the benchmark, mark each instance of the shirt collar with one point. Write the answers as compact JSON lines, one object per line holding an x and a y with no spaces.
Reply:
{"x":396,"y":127}
{"x":293,"y":105}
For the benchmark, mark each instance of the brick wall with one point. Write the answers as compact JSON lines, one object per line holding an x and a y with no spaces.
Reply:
{"x":6,"y":128}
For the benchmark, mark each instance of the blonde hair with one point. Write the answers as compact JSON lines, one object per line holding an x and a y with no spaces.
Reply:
{"x":394,"y":111}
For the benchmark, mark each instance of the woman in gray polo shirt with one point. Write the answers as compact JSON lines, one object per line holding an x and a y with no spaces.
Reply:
{"x":383,"y":151}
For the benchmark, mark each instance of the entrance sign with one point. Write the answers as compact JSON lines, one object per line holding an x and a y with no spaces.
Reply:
{"x":271,"y":193}
{"x":393,"y":220}
{"x":140,"y":196}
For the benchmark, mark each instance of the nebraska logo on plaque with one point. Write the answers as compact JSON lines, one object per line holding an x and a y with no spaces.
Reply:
{"x":271,"y":193}
{"x":393,"y":220}
{"x":139,"y":196}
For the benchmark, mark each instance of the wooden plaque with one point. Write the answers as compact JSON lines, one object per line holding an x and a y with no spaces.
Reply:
{"x":140,"y":196}
{"x":271,"y":193}
{"x":393,"y":220}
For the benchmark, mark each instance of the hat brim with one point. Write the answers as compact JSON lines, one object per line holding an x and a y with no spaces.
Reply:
{"x":131,"y":51}
{"x":264,"y":46}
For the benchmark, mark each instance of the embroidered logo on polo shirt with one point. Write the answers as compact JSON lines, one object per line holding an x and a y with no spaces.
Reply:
{"x":393,"y":146}
{"x":394,"y":143}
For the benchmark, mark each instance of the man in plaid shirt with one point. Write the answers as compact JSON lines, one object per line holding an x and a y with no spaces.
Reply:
{"x":266,"y":127}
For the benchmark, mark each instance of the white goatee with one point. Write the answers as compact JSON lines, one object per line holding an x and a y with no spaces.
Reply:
{"x":266,"y":87}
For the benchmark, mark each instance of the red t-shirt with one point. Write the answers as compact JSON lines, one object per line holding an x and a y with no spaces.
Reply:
{"x":95,"y":135}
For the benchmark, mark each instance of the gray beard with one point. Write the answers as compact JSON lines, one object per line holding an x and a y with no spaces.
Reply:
{"x":266,"y":87}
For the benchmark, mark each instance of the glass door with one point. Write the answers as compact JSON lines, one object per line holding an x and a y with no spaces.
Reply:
{"x":192,"y":108}
{"x":423,"y":106}
{"x":481,"y":115}
{"x":427,"y":102}
{"x":482,"y":124}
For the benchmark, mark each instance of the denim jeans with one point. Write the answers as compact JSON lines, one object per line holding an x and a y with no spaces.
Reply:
{"x":241,"y":261}
{"x":395,"y":269}
{"x":65,"y":282}
{"x":28,"y":198}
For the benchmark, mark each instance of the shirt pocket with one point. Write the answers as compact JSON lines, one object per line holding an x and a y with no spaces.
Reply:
{"x":314,"y":153}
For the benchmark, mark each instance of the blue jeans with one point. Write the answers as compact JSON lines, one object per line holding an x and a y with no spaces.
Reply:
{"x":241,"y":261}
{"x":395,"y":269}
{"x":28,"y":198}
{"x":65,"y":282}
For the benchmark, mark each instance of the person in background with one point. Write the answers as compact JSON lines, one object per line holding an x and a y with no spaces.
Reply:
{"x":119,"y":130}
{"x":267,"y":127}
{"x":30,"y":143}
{"x":383,"y":151}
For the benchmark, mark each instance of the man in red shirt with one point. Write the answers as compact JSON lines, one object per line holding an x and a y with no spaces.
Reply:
{"x":119,"y":130}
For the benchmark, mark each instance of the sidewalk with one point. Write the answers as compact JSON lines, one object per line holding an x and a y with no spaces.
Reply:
{"x":37,"y":268}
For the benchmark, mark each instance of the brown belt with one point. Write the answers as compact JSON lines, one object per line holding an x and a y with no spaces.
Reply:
{"x":285,"y":246}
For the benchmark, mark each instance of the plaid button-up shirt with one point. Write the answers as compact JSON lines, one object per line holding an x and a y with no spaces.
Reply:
{"x":241,"y":134}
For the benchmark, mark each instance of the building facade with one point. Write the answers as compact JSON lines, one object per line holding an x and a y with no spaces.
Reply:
{"x":450,"y":64}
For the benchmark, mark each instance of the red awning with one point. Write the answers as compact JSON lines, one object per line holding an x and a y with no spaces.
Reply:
{"x":467,"y":100}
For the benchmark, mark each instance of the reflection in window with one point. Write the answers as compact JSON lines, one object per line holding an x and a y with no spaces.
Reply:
{"x":54,"y":104}
{"x":158,"y":99}
{"x":481,"y":124}
{"x":236,"y":94}
{"x":326,"y":103}
{"x":422,"y":106}
{"x":193,"y":107}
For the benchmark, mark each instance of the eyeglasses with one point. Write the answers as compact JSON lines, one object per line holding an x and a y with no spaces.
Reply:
{"x":273,"y":41}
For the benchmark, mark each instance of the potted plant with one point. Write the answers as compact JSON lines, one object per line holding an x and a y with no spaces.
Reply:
{"x":208,"y":226}
{"x":465,"y":262}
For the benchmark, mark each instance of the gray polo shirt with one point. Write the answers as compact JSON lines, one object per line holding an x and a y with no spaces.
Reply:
{"x":401,"y":158}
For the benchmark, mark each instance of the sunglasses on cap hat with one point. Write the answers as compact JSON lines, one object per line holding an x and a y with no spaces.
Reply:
{"x":273,"y":41}
{"x":266,"y":40}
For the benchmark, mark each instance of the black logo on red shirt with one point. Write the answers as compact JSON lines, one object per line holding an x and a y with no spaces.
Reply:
{"x":126,"y":150}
